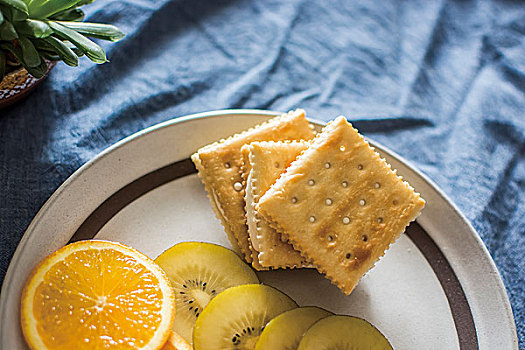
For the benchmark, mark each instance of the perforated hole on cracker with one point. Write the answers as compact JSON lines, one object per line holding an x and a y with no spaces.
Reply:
{"x":369,"y":206}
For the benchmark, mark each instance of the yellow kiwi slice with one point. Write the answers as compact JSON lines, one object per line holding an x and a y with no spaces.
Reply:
{"x":285,"y":331}
{"x":236,"y":317}
{"x":343,"y":332}
{"x":198,"y":272}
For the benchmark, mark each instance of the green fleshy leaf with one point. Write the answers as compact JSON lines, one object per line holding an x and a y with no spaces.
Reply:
{"x":34,"y":28}
{"x":84,"y":2}
{"x":34,"y":3}
{"x":11,"y":14}
{"x":50,"y":56}
{"x":3,"y":68}
{"x":92,"y":50}
{"x":16,"y":4}
{"x":48,"y":8}
{"x":95,"y":30}
{"x":30,"y":53}
{"x":18,"y":16}
{"x":77,"y":52}
{"x":43,"y":45}
{"x":69,"y":15}
{"x":63,"y":50}
{"x":15,"y":51}
{"x":38,"y":71}
{"x":6,"y":12}
{"x":7,"y":31}
{"x":1,"y":17}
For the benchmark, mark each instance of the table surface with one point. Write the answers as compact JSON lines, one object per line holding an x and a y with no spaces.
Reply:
{"x":440,"y":82}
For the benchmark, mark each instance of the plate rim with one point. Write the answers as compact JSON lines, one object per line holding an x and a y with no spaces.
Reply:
{"x":232,"y":112}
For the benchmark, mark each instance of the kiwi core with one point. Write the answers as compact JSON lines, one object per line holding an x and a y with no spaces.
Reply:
{"x":246,"y":339}
{"x":201,"y":298}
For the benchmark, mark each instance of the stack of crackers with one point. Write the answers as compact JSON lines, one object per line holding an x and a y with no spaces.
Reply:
{"x":290,"y":198}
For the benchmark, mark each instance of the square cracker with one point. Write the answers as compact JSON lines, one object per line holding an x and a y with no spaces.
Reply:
{"x":264,"y":163}
{"x":340,"y":204}
{"x":219,"y":167}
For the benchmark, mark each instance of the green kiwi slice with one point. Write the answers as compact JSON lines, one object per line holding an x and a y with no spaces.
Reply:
{"x":343,"y":332}
{"x":235,"y":318}
{"x":198,"y":272}
{"x":285,"y":331}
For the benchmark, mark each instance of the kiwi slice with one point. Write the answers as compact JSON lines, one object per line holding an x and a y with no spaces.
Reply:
{"x":198,"y":272}
{"x":285,"y":331}
{"x":236,"y":317}
{"x":343,"y":332}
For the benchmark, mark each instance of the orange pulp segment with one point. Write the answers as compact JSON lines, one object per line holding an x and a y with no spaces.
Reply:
{"x":97,"y":295}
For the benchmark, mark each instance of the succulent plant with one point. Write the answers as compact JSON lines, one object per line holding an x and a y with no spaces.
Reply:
{"x":33,"y":31}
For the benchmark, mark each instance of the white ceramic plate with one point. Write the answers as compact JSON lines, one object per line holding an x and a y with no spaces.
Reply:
{"x":436,"y":288}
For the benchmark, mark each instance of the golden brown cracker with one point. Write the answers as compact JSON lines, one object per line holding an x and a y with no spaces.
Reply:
{"x":219,"y":167}
{"x":267,"y":160}
{"x":340,"y":204}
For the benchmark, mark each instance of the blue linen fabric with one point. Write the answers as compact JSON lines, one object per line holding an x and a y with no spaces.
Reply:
{"x":440,"y":82}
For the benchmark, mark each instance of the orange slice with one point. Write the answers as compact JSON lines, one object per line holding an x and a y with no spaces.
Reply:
{"x":97,"y":295}
{"x":176,"y":342}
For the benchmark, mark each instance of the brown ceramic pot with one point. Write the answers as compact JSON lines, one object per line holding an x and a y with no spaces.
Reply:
{"x":18,"y":84}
